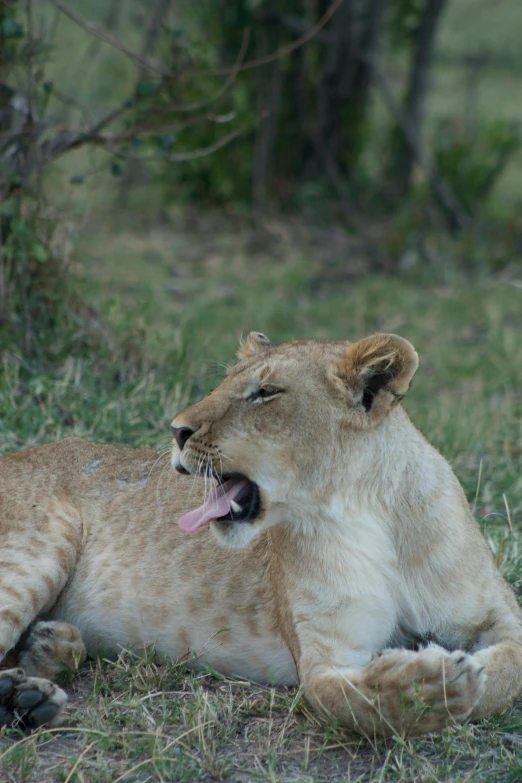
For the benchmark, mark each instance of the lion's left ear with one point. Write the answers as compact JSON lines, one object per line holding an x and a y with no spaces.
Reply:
{"x":256,"y":342}
{"x":377,"y":371}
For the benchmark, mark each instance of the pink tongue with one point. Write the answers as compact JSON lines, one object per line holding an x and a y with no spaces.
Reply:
{"x":216,"y":505}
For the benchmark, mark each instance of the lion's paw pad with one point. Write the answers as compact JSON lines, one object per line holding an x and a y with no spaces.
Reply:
{"x":28,"y":702}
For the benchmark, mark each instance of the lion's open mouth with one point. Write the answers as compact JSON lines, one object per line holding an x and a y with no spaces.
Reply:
{"x":235,"y":499}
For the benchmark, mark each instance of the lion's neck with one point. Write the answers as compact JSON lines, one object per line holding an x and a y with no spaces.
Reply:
{"x":384,"y":485}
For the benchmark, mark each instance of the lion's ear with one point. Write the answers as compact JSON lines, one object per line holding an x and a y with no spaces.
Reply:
{"x":378,"y":369}
{"x":256,"y":342}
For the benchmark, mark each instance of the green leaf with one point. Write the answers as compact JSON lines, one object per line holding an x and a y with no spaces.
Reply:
{"x":147,"y":88}
{"x":11,"y":28}
{"x":40,"y":252}
{"x":9,"y":208}
{"x":47,"y":91}
{"x":167,"y":140}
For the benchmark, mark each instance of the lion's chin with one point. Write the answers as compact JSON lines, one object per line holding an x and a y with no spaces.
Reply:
{"x":237,"y":535}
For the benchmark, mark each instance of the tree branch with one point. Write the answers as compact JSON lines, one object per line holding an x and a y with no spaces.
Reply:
{"x":183,"y":157}
{"x":284,"y":50}
{"x":232,"y":74}
{"x":68,"y":140}
{"x":110,"y":39}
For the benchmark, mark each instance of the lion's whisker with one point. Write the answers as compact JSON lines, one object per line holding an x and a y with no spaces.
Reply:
{"x":158,"y":483}
{"x":161,"y":454}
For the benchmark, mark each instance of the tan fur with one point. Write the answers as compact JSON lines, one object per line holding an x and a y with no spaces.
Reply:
{"x":365,"y":546}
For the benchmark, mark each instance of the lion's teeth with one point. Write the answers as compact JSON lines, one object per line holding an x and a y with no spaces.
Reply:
{"x":236,"y":508}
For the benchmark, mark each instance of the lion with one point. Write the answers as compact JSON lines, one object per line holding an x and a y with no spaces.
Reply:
{"x":336,"y":550}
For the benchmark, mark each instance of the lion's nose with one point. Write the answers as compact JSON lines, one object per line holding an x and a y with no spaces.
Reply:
{"x":182,"y":434}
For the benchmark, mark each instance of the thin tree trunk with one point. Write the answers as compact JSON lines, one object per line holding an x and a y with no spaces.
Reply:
{"x":337,"y":77}
{"x":269,"y":86}
{"x":409,"y":149}
{"x":344,"y":90}
{"x":367,"y":48}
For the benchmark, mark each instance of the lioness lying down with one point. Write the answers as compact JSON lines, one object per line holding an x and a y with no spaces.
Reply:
{"x":335,"y":543}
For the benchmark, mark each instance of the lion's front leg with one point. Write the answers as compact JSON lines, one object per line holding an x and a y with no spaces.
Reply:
{"x":400,"y":692}
{"x":502,"y":662}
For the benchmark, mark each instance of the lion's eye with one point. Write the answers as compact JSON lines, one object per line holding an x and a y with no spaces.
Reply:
{"x":264,"y":393}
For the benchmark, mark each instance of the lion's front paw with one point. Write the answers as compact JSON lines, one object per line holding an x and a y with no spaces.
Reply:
{"x":402,"y":691}
{"x":51,"y":649}
{"x":28,"y":702}
{"x":420,"y":692}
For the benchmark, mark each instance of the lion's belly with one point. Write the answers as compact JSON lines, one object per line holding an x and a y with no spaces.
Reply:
{"x":230,"y":648}
{"x":122,"y":613}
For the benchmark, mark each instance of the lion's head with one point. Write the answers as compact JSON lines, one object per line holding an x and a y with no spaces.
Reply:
{"x":283,"y":420}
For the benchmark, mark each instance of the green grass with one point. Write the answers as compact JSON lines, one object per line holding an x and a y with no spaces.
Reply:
{"x":179,"y":299}
{"x":134,"y":721}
